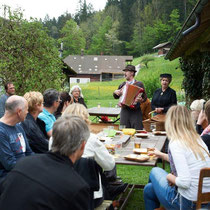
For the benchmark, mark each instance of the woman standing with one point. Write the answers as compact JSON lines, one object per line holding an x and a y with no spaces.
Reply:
{"x":188,"y":154}
{"x":164,"y":97}
{"x":76,"y":92}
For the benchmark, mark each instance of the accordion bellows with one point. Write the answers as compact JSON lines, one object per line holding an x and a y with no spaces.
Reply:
{"x":131,"y":92}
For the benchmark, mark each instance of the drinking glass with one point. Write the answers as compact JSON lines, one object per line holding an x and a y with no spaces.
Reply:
{"x":137,"y":143}
{"x":153,"y":126}
{"x":121,"y":127}
{"x":118,"y":147}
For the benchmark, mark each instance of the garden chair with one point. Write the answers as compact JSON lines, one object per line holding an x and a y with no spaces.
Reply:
{"x":202,"y":197}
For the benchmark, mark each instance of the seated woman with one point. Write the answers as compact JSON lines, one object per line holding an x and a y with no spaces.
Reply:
{"x":65,"y":101}
{"x":187,"y":155}
{"x":164,"y":97}
{"x":32,"y":125}
{"x":76,"y":92}
{"x":203,"y":117}
{"x":94,"y":148}
{"x":196,"y":106}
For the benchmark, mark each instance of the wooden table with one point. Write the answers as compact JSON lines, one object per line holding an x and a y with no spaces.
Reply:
{"x":152,"y":141}
{"x":104,"y":111}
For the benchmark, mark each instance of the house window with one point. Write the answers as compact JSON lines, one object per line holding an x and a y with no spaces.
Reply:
{"x":78,"y":80}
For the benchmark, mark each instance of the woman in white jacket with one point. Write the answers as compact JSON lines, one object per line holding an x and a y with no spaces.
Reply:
{"x":187,"y":155}
{"x":94,"y":148}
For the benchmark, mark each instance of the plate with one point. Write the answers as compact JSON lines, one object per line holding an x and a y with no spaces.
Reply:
{"x":141,"y":131}
{"x":140,"y":150}
{"x":137,"y":158}
{"x":119,"y":132}
{"x":110,"y":146}
{"x":104,"y":138}
{"x":141,"y":135}
{"x":159,"y":132}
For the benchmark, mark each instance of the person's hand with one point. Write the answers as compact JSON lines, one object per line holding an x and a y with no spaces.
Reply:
{"x":201,"y":117}
{"x":156,"y":153}
{"x":118,"y":92}
{"x":171,"y":179}
{"x":159,"y":110}
{"x":139,"y":99}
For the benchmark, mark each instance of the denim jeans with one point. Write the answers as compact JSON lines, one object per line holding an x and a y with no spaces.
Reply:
{"x":157,"y":192}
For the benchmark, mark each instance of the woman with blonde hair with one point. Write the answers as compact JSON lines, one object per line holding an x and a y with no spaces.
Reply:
{"x":94,"y":148}
{"x":187,"y":155}
{"x":32,"y":125}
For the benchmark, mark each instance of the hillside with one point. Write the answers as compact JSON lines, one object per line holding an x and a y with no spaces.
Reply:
{"x":101,"y":92}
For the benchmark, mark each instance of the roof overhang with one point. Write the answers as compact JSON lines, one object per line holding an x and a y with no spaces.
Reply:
{"x":195,"y":33}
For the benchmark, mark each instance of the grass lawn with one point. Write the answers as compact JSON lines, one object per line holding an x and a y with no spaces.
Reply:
{"x":136,"y":175}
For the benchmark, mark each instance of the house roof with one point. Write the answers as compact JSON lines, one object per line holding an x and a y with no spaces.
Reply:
{"x":195,"y":32}
{"x":97,"y":64}
{"x":161,"y":45}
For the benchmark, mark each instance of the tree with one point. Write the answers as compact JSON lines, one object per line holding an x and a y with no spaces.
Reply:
{"x":98,"y":45}
{"x":28,"y":56}
{"x":146,"y":59}
{"x":174,"y":24}
{"x":73,"y":38}
{"x":85,"y":11}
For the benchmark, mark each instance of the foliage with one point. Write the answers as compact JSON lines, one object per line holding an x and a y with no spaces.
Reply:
{"x":73,"y":38}
{"x":99,"y":40}
{"x":85,"y":11}
{"x":28,"y":55}
{"x":146,"y":59}
{"x":196,"y":68}
{"x":54,"y":26}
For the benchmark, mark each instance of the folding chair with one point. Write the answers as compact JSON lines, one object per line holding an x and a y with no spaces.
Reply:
{"x":202,"y":197}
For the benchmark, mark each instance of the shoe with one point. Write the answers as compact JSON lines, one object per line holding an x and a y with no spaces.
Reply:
{"x":115,"y":190}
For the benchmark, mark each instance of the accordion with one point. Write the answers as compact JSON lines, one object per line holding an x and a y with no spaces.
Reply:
{"x":129,"y":95}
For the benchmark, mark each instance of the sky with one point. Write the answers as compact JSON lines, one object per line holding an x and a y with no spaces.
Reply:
{"x":40,"y":8}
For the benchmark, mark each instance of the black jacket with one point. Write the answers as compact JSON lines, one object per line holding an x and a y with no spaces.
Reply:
{"x":37,"y":140}
{"x":44,"y":181}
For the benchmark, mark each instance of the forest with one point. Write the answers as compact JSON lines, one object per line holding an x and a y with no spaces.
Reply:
{"x":124,"y":27}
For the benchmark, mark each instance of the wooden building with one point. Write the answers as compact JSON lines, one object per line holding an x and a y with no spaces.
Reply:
{"x":89,"y":68}
{"x":192,"y":45}
{"x":162,"y":48}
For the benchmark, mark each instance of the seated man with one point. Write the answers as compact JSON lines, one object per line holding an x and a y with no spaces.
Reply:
{"x":13,"y":141}
{"x":51,"y":180}
{"x":36,"y":138}
{"x":51,"y":103}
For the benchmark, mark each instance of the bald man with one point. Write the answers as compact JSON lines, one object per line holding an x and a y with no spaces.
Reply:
{"x":13,"y":142}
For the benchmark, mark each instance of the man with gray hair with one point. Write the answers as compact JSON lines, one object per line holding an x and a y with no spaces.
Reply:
{"x":13,"y":142}
{"x":51,"y":103}
{"x":52,"y":182}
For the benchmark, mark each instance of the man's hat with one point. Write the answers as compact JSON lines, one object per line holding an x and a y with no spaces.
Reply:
{"x":166,"y":76}
{"x":130,"y":68}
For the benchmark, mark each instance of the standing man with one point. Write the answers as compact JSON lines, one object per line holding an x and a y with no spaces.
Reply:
{"x":10,"y":90}
{"x":131,"y":117}
{"x":13,"y":141}
{"x":51,"y":103}
{"x":49,"y":181}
